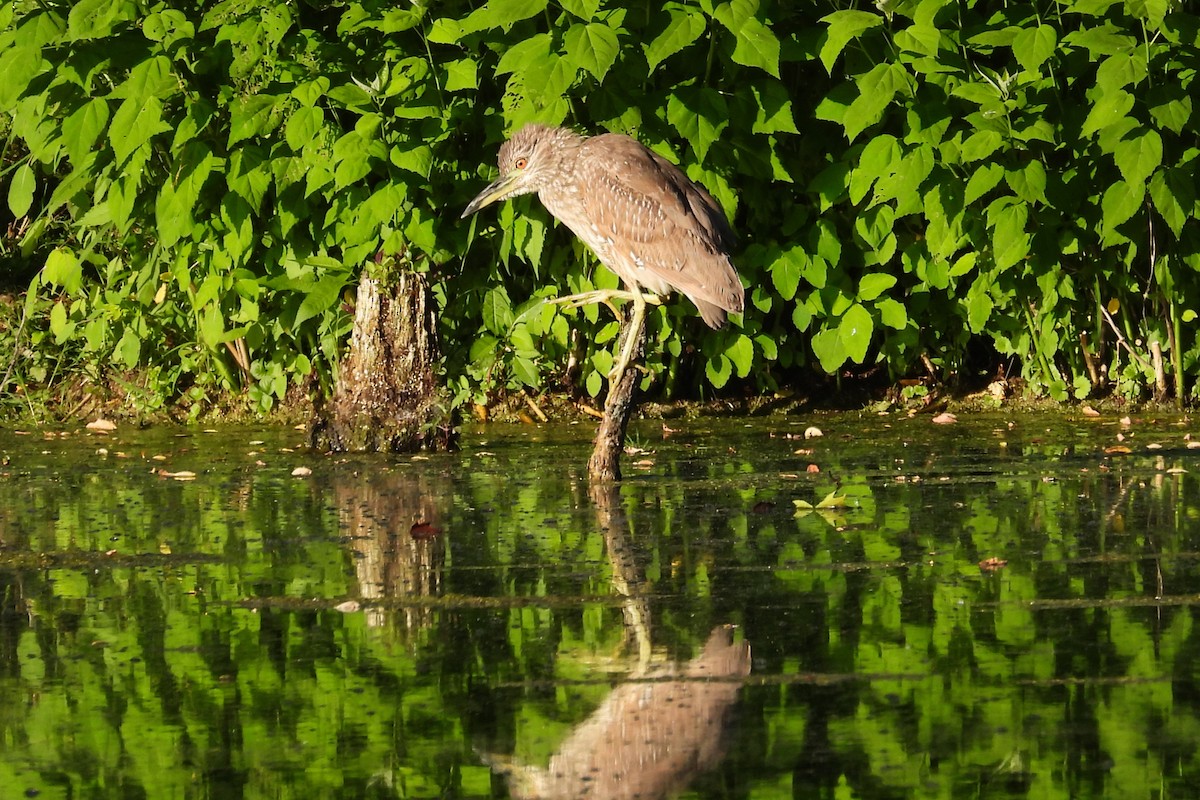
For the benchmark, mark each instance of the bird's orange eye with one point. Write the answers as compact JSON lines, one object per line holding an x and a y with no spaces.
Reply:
{"x":521,"y":163}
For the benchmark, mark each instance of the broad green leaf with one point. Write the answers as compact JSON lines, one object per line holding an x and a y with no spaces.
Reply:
{"x":1029,"y":182}
{"x":129,"y":348}
{"x":756,"y":46}
{"x":982,"y":181}
{"x":1111,"y":107}
{"x":856,"y":329}
{"x":829,"y":349}
{"x":59,"y":325}
{"x":351,"y":159}
{"x":18,"y":66}
{"x":1032,"y":46}
{"x":1120,"y":70}
{"x":1010,"y":241}
{"x":892,"y":313}
{"x":699,"y":115}
{"x":136,"y":121}
{"x":1139,"y":156}
{"x":461,"y":75}
{"x":412,"y":156}
{"x":841,"y":27}
{"x":979,"y":306}
{"x":786,"y":270}
{"x":497,"y":311}
{"x":506,"y":13}
{"x":83,"y":127}
{"x":876,"y":89}
{"x":774,"y":108}
{"x":741,"y":353}
{"x":593,"y":47}
{"x":877,"y":159}
{"x":1174,"y":195}
{"x":684,"y":27}
{"x":1121,"y":201}
{"x":252,"y":116}
{"x":524,"y":54}
{"x":874,"y":284}
{"x":302,"y":126}
{"x":584,"y":9}
{"x":93,"y":19}
{"x":63,"y":270}
{"x":20,"y":190}
{"x":151,"y":76}
{"x":718,"y":369}
{"x":923,"y":39}
{"x":320,"y":297}
{"x":980,"y":145}
{"x":1174,"y":113}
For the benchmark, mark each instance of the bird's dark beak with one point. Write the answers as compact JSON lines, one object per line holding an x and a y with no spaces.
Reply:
{"x":494,"y":191}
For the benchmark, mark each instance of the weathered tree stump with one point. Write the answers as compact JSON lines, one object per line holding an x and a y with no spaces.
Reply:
{"x":605,"y":463}
{"x":387,"y":397}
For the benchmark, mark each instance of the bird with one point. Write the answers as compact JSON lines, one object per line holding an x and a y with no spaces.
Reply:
{"x":646,"y":221}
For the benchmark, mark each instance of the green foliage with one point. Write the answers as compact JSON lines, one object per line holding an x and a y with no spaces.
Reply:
{"x":220,"y":173}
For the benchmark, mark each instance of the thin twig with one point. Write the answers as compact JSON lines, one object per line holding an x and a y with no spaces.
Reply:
{"x":1121,"y":342}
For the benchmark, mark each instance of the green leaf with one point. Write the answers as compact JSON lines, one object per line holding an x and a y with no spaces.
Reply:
{"x":841,"y":27}
{"x":584,"y":9}
{"x":1028,"y":183}
{"x":982,"y":181}
{"x":979,"y":306}
{"x":855,"y":330}
{"x":756,"y":45}
{"x":1139,"y":156}
{"x":827,"y":346}
{"x":1119,"y":204}
{"x":136,"y":121}
{"x":699,"y":115}
{"x":785,"y":271}
{"x":83,"y":127}
{"x":1111,"y":107}
{"x":1032,"y":46}
{"x":774,"y":108}
{"x":1010,"y":241}
{"x":741,"y":353}
{"x":718,"y":369}
{"x":980,"y":145}
{"x":252,"y":116}
{"x":497,"y":311}
{"x":593,"y":47}
{"x":60,"y":327}
{"x":20,"y":190}
{"x":874,"y":284}
{"x":320,"y":297}
{"x":93,"y":19}
{"x":892,"y":313}
{"x":506,"y":13}
{"x":302,"y":126}
{"x":1174,"y":195}
{"x":63,"y":269}
{"x":18,"y":66}
{"x":875,"y":91}
{"x":461,"y":75}
{"x":684,"y":27}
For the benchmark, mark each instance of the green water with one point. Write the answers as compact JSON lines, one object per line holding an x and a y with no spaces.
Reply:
{"x":482,"y":624}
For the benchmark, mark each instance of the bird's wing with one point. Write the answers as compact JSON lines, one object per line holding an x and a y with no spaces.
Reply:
{"x":669,"y":224}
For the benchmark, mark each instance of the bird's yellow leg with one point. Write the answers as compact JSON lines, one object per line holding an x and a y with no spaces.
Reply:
{"x":636,"y":320}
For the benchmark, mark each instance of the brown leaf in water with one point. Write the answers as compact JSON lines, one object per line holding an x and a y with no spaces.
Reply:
{"x":945,"y":418}
{"x":1117,"y":450}
{"x":992,"y":564}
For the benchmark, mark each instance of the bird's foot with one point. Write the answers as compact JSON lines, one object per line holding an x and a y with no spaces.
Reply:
{"x":605,"y":296}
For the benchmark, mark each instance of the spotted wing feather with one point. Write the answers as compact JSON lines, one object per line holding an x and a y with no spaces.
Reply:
{"x":666,"y":230}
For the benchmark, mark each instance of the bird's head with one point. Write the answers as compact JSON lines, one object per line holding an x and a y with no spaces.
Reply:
{"x":528,"y":160}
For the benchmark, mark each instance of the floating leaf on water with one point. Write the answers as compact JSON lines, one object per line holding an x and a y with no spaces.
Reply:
{"x":348,"y":607}
{"x":812,"y":468}
{"x":992,"y":564}
{"x":424,"y":530}
{"x":182,"y":475}
{"x":301,"y":472}
{"x":1193,"y":445}
{"x":945,"y":418}
{"x":813,"y":432}
{"x":833,"y":500}
{"x":1176,"y":471}
{"x":102,"y":425}
{"x":1126,"y":422}
{"x":762,"y":507}
{"x":1088,"y":411}
{"x":1117,"y":449}
{"x":1154,"y":446}
{"x":803,"y":451}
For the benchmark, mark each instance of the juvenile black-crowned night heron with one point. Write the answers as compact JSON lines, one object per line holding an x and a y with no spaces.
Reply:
{"x":644,"y":219}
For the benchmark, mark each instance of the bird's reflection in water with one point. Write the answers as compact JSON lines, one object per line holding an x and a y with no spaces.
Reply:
{"x":654,"y":733}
